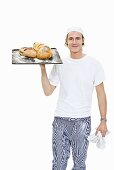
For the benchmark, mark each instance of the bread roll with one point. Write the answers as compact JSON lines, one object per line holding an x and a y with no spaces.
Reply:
{"x":27,"y":52}
{"x":44,"y":52}
{"x":39,"y":51}
{"x":36,"y":46}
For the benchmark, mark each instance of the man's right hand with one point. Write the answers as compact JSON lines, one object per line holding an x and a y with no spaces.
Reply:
{"x":42,"y":66}
{"x":47,"y":87}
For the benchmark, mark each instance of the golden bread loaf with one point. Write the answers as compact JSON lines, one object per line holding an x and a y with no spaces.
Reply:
{"x":44,"y":52}
{"x":39,"y":51}
{"x":36,"y":46}
{"x":27,"y":52}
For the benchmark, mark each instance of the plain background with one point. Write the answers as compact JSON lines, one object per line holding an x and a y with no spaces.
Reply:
{"x":26,"y":114}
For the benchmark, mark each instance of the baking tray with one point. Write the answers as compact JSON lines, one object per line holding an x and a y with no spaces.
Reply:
{"x":18,"y":59}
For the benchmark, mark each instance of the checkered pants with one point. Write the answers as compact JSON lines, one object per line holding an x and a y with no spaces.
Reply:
{"x":70,"y":132}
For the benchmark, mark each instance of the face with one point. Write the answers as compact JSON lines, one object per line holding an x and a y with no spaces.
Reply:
{"x":75,"y":41}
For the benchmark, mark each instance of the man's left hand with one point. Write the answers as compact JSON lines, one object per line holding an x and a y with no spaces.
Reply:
{"x":102,"y":128}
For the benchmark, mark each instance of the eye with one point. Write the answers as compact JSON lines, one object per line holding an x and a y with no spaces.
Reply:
{"x":78,"y":38}
{"x":70,"y":38}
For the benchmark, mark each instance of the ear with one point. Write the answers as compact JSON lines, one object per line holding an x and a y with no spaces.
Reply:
{"x":83,"y":41}
{"x":66,"y":39}
{"x":66,"y":44}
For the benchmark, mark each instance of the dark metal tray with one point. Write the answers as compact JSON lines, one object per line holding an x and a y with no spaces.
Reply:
{"x":18,"y":59}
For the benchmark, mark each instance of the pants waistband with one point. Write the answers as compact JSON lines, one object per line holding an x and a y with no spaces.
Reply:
{"x":72,"y":119}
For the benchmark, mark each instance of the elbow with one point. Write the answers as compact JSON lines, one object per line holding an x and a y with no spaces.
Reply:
{"x":47,"y":93}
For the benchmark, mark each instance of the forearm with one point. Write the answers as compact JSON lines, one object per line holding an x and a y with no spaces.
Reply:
{"x":102,"y":103}
{"x":45,"y":82}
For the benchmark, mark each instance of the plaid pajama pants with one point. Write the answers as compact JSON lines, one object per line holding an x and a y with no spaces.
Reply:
{"x":70,"y":132}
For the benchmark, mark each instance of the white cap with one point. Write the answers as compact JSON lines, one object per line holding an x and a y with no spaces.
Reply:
{"x":77,"y":29}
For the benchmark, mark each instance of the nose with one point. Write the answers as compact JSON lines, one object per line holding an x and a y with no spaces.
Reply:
{"x":74,"y":41}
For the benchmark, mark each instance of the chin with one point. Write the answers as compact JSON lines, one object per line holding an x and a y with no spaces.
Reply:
{"x":74,"y":51}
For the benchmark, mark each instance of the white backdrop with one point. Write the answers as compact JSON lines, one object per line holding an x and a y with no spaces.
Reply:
{"x":26,"y":114}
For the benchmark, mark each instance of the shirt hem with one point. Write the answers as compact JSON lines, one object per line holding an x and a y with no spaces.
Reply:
{"x":70,"y":115}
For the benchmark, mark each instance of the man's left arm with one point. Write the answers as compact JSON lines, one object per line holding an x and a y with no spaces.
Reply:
{"x":102,"y":103}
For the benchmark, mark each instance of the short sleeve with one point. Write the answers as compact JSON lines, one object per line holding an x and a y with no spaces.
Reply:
{"x":53,"y":76}
{"x":99,"y":74}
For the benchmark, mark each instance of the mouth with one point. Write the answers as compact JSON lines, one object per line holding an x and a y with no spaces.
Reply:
{"x":74,"y":45}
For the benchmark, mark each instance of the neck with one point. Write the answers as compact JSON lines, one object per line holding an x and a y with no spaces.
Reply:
{"x":76,"y":55}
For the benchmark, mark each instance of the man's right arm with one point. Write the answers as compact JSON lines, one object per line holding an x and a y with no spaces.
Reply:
{"x":47,"y":87}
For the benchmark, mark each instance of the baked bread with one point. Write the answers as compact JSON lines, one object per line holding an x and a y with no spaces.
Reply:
{"x":39,"y":51}
{"x":44,"y":52}
{"x":36,"y":46}
{"x":27,"y":52}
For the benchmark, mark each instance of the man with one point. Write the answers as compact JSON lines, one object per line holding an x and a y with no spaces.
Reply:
{"x":77,"y":76}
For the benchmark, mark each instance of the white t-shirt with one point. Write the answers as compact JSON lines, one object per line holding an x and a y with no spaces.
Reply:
{"x":77,"y":78}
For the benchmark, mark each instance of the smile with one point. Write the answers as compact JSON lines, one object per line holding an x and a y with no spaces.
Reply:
{"x":75,"y":46}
